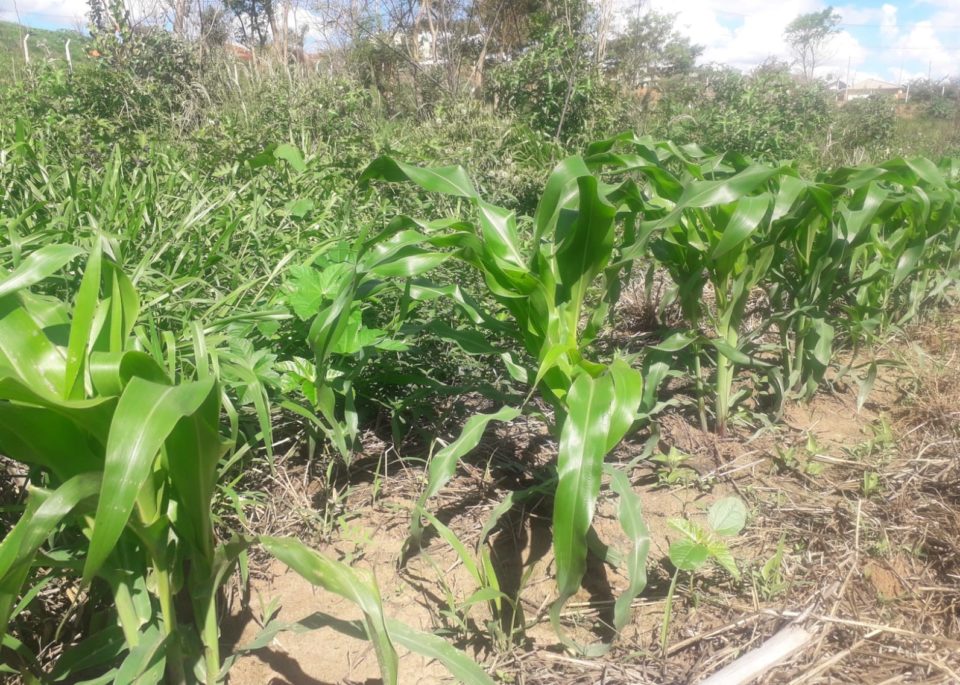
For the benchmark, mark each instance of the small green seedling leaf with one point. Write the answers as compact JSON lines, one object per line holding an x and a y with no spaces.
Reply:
{"x":723,"y":556}
{"x":727,"y":517}
{"x":688,"y":555}
{"x":300,"y":208}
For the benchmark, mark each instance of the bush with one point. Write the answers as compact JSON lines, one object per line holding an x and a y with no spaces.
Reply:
{"x":554,"y":86}
{"x":942,"y":108}
{"x":768,"y":114}
{"x":866,"y":125}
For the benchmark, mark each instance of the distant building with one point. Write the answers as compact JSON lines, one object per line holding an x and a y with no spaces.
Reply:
{"x":866,"y":88}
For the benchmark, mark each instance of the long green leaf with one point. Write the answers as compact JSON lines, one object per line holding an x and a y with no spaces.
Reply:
{"x":462,"y":667}
{"x":39,"y":265}
{"x":451,"y":180}
{"x":443,"y":465}
{"x":744,"y":221}
{"x":583,"y":442}
{"x":81,"y":326}
{"x":341,"y":580}
{"x":146,"y":415}
{"x":631,"y":520}
{"x":45,"y":511}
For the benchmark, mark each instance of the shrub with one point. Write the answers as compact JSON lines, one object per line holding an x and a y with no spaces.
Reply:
{"x":942,"y":108}
{"x":866,"y":124}
{"x":767,"y":114}
{"x":554,"y":86}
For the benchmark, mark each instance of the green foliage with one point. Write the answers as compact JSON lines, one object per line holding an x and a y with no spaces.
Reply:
{"x":553,"y":85}
{"x":671,"y":469}
{"x":929,"y":91}
{"x":155,"y":59}
{"x":769,"y":578}
{"x":866,"y":124}
{"x":723,"y":221}
{"x":651,"y":49}
{"x":808,"y":34}
{"x":115,"y":423}
{"x":698,"y":545}
{"x":45,"y":46}
{"x":725,"y":519}
{"x":92,"y":414}
{"x":255,"y":19}
{"x":766,"y":114}
{"x":545,"y":292}
{"x":271,"y":295}
{"x":942,"y":108}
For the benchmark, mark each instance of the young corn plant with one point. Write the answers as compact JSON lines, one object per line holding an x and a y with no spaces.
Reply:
{"x":856,"y":237}
{"x":905,"y":253}
{"x":544,"y":285}
{"x":123,"y":469}
{"x":721,"y":231}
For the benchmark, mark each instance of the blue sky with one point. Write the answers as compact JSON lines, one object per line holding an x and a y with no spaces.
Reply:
{"x":893,"y":41}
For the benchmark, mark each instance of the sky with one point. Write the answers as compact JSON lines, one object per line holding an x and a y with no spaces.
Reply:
{"x":892,"y":41}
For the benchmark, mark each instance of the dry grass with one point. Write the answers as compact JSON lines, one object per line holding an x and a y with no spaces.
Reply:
{"x":874,"y":575}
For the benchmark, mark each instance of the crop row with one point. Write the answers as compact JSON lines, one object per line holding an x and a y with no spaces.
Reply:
{"x":119,"y":420}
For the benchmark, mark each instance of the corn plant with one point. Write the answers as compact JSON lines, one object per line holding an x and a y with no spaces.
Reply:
{"x":126,"y":462}
{"x":720,"y":221}
{"x":905,"y":253}
{"x":714,"y":223}
{"x":805,"y":279}
{"x":544,"y":287}
{"x":721,"y":231}
{"x":332,"y":292}
{"x":859,"y":237}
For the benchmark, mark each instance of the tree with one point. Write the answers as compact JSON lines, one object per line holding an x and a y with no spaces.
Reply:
{"x":651,"y":49}
{"x":256,"y":20}
{"x":808,"y":36}
{"x":214,"y":27}
{"x":178,"y":12}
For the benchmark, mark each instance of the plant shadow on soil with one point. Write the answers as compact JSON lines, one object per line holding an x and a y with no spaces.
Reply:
{"x":877,"y":572}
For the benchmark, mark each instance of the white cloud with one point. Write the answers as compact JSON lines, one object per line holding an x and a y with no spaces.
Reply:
{"x":754,"y":32}
{"x":855,"y":14}
{"x":923,"y":44}
{"x":58,"y":12}
{"x":874,"y":38}
{"x":73,"y":13}
{"x":888,"y":22}
{"x":844,"y":52}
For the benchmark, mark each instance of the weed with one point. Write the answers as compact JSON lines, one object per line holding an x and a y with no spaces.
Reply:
{"x":725,"y":519}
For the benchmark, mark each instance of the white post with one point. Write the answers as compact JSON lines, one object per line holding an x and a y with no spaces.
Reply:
{"x":26,"y":50}
{"x":66,"y":49}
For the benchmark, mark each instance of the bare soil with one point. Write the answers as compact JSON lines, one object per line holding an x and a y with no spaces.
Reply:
{"x":863,"y":506}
